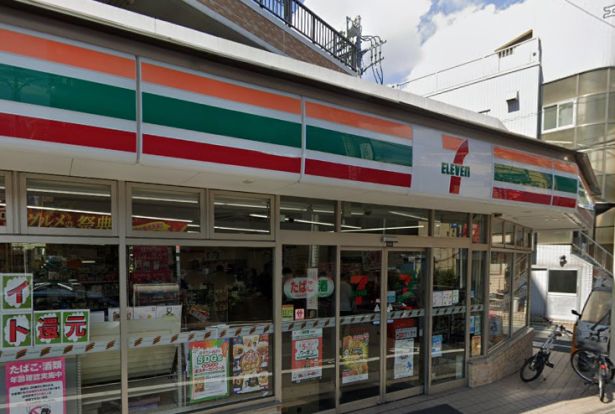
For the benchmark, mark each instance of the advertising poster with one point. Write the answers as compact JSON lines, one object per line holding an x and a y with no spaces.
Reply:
{"x":307,"y":354}
{"x":436,"y":346}
{"x":475,"y":345}
{"x":250,"y":363}
{"x":288,"y":312}
{"x":208,"y":369}
{"x":36,"y":386}
{"x":16,"y":292}
{"x":47,"y":327}
{"x":354,"y":358}
{"x":76,"y":326}
{"x":438,"y":299}
{"x":403,"y":365}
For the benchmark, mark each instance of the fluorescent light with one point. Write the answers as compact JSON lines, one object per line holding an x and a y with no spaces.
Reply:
{"x":263,"y":216}
{"x":399,"y":213}
{"x":557,"y":142}
{"x":163,"y":218}
{"x":348,"y":226}
{"x":383,"y":228}
{"x":88,"y":261}
{"x":220,"y":203}
{"x":241,"y":229}
{"x":68,"y":210}
{"x":170,"y":200}
{"x":320,"y":223}
{"x":194,"y":225}
{"x":45,"y":190}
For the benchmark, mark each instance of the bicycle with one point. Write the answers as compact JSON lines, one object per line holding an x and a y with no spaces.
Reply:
{"x":534,"y":365}
{"x":594,"y":366}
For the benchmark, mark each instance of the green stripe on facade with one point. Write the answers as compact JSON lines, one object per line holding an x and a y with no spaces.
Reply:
{"x":565,"y":184}
{"x":176,"y":113}
{"x":62,"y":92}
{"x":515,"y":175}
{"x":349,"y":145}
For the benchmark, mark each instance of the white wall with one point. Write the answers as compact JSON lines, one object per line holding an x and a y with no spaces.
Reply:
{"x":552,"y":305}
{"x":486,"y":84}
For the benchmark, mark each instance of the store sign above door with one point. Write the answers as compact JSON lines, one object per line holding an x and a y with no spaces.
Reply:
{"x":303,"y":287}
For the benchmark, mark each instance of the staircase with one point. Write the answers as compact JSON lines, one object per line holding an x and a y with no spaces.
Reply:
{"x":589,"y":250}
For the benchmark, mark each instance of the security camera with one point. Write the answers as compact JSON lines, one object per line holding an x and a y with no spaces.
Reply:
{"x":562,"y":260}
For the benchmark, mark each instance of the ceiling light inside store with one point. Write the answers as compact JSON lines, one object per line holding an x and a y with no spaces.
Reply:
{"x":240,"y":229}
{"x":383,"y":228}
{"x":170,"y":200}
{"x":220,"y":203}
{"x":68,"y":192}
{"x":263,"y":216}
{"x":68,"y":210}
{"x":163,"y":218}
{"x":399,"y":213}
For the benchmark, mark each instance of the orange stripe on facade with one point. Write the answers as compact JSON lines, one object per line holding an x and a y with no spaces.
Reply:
{"x":522,"y":157}
{"x":39,"y":48}
{"x":211,"y":87}
{"x":566,"y":167}
{"x":451,"y":143}
{"x":355,"y":120}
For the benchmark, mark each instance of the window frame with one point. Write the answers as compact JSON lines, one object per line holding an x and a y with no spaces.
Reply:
{"x":23,"y":207}
{"x":8,"y":208}
{"x":130,"y":232}
{"x":557,"y":105}
{"x":273,"y":215}
{"x":576,"y":272}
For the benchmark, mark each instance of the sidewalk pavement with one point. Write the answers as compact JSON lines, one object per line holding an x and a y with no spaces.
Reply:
{"x":558,"y":390}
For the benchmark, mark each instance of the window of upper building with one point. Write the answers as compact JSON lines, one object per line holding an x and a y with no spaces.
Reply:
{"x":560,"y":115}
{"x":559,"y":91}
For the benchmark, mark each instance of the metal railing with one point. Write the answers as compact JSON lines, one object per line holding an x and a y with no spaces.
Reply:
{"x":591,"y":251}
{"x":307,"y":23}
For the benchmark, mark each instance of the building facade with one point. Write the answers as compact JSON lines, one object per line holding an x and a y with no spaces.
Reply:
{"x":212,"y":227}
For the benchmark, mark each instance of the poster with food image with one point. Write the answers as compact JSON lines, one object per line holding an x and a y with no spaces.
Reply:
{"x":208,"y":369}
{"x":307,"y":354}
{"x":250,"y":363}
{"x":354,"y":357}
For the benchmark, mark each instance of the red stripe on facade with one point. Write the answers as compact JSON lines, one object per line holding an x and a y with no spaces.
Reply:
{"x":460,"y":156}
{"x":199,"y":151}
{"x":564,"y":202}
{"x":354,"y":173}
{"x":24,"y":127}
{"x":525,"y":196}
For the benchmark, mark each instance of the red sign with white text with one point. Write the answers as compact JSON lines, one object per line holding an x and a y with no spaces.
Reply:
{"x":36,"y":386}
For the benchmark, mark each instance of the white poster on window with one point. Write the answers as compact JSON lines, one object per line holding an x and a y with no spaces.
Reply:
{"x":403,"y":365}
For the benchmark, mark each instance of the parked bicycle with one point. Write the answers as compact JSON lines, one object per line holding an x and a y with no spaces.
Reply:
{"x":533,"y":366}
{"x":594,"y":365}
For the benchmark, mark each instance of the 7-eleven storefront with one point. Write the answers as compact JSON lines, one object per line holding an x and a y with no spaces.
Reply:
{"x":184,"y":235}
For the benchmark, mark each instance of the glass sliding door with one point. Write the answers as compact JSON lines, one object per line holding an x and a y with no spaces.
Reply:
{"x":360,"y":310}
{"x":449,"y":314}
{"x":406,"y":272}
{"x":308,"y":337}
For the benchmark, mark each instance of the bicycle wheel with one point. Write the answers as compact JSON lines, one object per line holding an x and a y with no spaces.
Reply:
{"x":585,"y":365}
{"x":532,"y":368}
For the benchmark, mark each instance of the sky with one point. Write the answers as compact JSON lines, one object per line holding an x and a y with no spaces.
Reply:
{"x":428,"y":35}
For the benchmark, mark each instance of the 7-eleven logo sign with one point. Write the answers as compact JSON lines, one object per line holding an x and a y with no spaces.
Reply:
{"x":456,"y":170}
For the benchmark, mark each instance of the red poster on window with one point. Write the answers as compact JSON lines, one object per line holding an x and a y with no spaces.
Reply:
{"x":307,"y":354}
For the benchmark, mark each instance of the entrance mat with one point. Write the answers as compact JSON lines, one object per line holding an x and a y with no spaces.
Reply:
{"x":438,"y":409}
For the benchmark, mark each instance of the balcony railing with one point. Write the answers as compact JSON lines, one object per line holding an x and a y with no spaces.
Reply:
{"x":307,"y":23}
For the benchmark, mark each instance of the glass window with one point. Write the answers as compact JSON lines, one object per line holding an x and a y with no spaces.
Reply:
{"x":371,"y":218}
{"x":307,"y":214}
{"x":449,"y":224}
{"x":406,"y":292}
{"x":360,"y":308}
{"x":565,"y":114}
{"x":520,"y":284}
{"x":162,"y":210}
{"x":479,"y":228}
{"x":591,"y":109}
{"x":242,"y":214}
{"x":592,"y":82}
{"x":499,"y":296}
{"x":65,"y":204}
{"x":519,"y":236}
{"x":529,"y":237}
{"x":309,"y":293}
{"x":2,"y":201}
{"x":560,"y":90}
{"x":612,"y":105}
{"x":497,"y":228}
{"x":449,"y":320}
{"x":477,"y":301}
{"x":597,"y":306}
{"x":57,"y":306}
{"x":509,"y":236}
{"x":203,"y":314}
{"x":609,"y":188}
{"x":589,"y":136}
{"x":563,"y":138}
{"x":550,"y":117}
{"x":562,"y":281}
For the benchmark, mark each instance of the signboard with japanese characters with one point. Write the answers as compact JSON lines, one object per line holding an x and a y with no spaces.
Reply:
{"x":16,"y":330}
{"x":36,"y":386}
{"x":47,"y":327}
{"x":16,"y":291}
{"x":306,"y":354}
{"x":75,"y":326}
